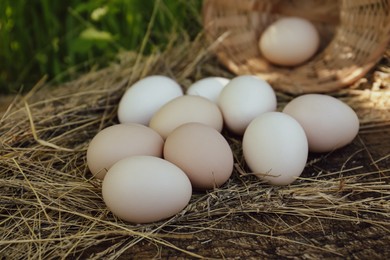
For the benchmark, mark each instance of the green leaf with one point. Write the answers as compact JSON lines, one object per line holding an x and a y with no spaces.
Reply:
{"x":98,"y":13}
{"x":96,"y":35}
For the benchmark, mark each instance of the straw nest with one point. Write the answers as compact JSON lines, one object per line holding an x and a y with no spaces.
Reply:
{"x":51,"y":207}
{"x":353,"y":34}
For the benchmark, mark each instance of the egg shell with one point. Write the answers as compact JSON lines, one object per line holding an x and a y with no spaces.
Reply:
{"x":275,"y":148}
{"x":183,"y":110}
{"x":202,"y":153}
{"x":145,"y":189}
{"x":328,"y":122}
{"x":145,"y":97}
{"x":289,"y":41}
{"x":209,"y":88}
{"x":119,"y":141}
{"x":243,"y":99}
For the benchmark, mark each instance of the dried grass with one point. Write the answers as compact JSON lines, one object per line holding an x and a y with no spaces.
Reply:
{"x":51,"y":207}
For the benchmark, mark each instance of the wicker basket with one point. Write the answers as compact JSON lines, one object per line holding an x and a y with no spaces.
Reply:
{"x":354,"y":35}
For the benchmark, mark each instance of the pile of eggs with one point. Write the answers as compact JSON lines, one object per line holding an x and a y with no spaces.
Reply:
{"x":168,"y":143}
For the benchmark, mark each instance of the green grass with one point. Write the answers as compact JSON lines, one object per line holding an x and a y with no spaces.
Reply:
{"x":64,"y":38}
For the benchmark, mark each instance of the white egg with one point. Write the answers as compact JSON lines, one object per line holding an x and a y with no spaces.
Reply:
{"x":120,"y":141}
{"x":328,"y":122}
{"x":143,"y":189}
{"x":243,"y":99}
{"x":145,"y":97}
{"x":209,"y":88}
{"x":275,"y":148}
{"x":289,"y":41}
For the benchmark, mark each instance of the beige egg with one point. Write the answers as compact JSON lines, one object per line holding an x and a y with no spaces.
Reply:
{"x":119,"y":141}
{"x":202,"y":153}
{"x":186,"y":109}
{"x":144,"y":189}
{"x":328,"y":122}
{"x":289,"y":41}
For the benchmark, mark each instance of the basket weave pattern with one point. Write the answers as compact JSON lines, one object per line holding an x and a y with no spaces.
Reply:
{"x":354,"y":35}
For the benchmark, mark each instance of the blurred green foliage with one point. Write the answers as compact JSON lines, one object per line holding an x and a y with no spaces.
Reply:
{"x":63,"y":38}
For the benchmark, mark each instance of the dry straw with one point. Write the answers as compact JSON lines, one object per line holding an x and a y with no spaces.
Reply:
{"x":354,"y":36}
{"x":51,"y":207}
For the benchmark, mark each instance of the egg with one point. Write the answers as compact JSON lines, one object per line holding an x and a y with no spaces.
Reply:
{"x":183,"y":110}
{"x":202,"y":153}
{"x":289,"y":41}
{"x":209,"y":87}
{"x":244,"y":98}
{"x":275,"y":148}
{"x":145,"y":97}
{"x":328,"y":122}
{"x":145,"y":189}
{"x":119,"y":141}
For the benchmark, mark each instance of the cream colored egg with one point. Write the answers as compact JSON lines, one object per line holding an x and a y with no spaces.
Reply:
{"x":275,"y":148}
{"x":202,"y":153}
{"x":243,"y":99}
{"x":144,"y":189}
{"x":119,"y":141}
{"x":328,"y":122}
{"x":186,"y":109}
{"x":289,"y":41}
{"x":145,"y":97}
